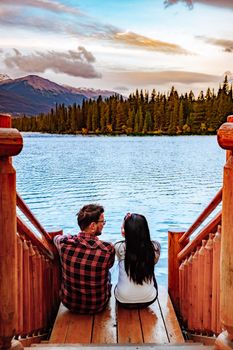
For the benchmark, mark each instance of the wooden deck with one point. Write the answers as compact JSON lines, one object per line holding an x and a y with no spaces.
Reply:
{"x":156,"y":324}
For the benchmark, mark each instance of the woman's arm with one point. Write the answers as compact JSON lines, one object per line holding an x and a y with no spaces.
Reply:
{"x":157,"y":249}
{"x":120,"y":249}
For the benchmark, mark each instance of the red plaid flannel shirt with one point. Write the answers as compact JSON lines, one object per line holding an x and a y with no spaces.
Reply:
{"x":86,"y":261}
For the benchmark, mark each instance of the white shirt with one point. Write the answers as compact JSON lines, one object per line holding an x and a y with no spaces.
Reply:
{"x":127,"y":291}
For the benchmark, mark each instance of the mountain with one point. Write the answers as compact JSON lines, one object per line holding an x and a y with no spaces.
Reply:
{"x":91,"y":93}
{"x":4,"y":77}
{"x":32,"y":95}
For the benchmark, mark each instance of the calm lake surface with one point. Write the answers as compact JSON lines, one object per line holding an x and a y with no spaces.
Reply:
{"x":170,"y":180}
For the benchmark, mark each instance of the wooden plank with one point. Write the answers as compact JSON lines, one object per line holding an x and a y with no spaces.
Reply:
{"x":128,"y":325}
{"x":187,"y":346}
{"x":79,"y":329}
{"x":71,"y":328}
{"x":155,"y":324}
{"x":153,"y":328}
{"x":169,"y":316}
{"x":104,"y":328}
{"x":60,"y":326}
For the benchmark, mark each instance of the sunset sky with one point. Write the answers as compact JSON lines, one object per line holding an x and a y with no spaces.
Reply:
{"x":119,"y":45}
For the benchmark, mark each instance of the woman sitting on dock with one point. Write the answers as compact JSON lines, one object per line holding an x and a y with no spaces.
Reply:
{"x":137,"y":255}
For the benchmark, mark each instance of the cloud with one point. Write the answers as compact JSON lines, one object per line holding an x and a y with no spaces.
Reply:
{"x":121,"y":88}
{"x":53,"y":6}
{"x":136,"y":78}
{"x":226,"y":44}
{"x":190,"y":3}
{"x":143,"y":42}
{"x":81,"y":26}
{"x":14,"y":18}
{"x":74,"y":63}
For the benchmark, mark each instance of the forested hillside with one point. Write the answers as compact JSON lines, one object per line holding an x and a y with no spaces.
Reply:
{"x":141,"y":113}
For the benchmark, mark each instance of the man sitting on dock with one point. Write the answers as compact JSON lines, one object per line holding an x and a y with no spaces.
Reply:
{"x":86,"y":260}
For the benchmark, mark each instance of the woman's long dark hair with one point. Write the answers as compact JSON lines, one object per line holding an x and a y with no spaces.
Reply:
{"x":140,"y":255}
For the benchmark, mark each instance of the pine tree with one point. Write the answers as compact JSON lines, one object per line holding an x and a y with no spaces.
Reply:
{"x":147,"y":123}
{"x":130,"y":120}
{"x":120,"y":118}
{"x":74,"y":118}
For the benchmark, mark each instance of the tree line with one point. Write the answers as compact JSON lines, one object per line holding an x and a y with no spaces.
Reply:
{"x":139,"y":114}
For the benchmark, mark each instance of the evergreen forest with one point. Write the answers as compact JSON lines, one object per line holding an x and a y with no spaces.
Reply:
{"x":140,"y":114}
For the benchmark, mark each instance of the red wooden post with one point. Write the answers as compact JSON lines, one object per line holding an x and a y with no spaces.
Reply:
{"x":181,"y":289}
{"x":225,"y":340}
{"x":33,"y":301}
{"x":11,"y":144}
{"x":200,"y":291}
{"x":174,"y":247}
{"x":215,"y":318}
{"x":37,"y":288}
{"x":189,"y":292}
{"x":26,"y":290}
{"x":20,"y":285}
{"x":185,"y":307}
{"x":5,"y":121}
{"x":195,"y":289}
{"x":208,"y":268}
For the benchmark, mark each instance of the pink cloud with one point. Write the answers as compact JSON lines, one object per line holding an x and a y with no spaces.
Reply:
{"x":74,"y":63}
{"x":137,"y":78}
{"x":53,"y":6}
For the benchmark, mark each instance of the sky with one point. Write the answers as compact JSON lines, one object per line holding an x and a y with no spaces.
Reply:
{"x":119,"y":45}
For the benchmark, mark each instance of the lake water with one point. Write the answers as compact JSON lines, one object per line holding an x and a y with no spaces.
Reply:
{"x":170,"y":180}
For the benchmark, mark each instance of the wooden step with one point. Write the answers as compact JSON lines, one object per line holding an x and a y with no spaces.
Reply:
{"x":156,"y":324}
{"x":182,"y":346}
{"x":201,"y":339}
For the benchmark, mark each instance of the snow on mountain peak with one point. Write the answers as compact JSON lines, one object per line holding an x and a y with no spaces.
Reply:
{"x":4,"y":77}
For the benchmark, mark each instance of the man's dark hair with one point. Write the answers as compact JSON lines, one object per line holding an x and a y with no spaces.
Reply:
{"x":88,"y":214}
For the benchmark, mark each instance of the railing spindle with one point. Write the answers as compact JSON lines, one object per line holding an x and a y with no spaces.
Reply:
{"x":26,"y":290}
{"x":195,"y":290}
{"x":33,"y":300}
{"x":186,"y":300}
{"x":208,"y":269}
{"x":190,"y":292}
{"x":20,"y":285}
{"x":200,"y":291}
{"x":215,"y":319}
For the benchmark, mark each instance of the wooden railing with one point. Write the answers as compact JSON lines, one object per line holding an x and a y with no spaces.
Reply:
{"x":199,"y":293}
{"x":199,"y":268}
{"x":29,"y":268}
{"x":180,"y":246}
{"x":41,"y":240}
{"x":38,"y":279}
